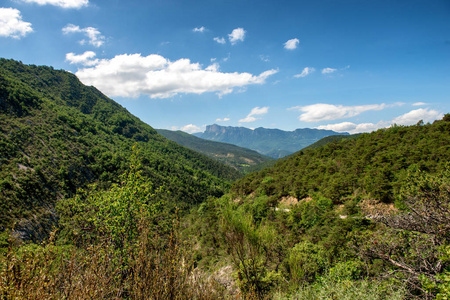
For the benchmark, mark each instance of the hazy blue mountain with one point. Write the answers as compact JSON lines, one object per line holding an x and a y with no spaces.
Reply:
{"x":275,"y":143}
{"x":237,"y":157}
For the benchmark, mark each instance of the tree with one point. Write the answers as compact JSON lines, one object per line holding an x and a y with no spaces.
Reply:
{"x":416,"y":238}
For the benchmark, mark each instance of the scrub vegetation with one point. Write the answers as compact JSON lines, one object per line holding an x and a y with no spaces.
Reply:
{"x":96,"y":205}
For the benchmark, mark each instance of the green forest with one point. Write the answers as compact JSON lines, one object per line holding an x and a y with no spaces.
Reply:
{"x":95,"y":204}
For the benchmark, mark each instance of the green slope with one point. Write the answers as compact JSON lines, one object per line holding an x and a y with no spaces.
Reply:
{"x":330,"y":139}
{"x":57,"y":135}
{"x":237,"y":157}
{"x":374,"y":164}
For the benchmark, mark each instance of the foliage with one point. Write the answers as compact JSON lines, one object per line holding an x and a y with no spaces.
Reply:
{"x":237,"y":157}
{"x":373,"y":164}
{"x":127,"y":255}
{"x":416,"y":240}
{"x":57,"y":136}
{"x":327,"y":287}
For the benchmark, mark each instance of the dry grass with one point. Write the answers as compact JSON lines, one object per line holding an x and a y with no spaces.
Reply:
{"x":147,"y":271}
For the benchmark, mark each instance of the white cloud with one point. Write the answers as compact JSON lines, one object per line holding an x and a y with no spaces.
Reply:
{"x":256,"y":111}
{"x":85,"y":59}
{"x":291,"y":44}
{"x":264,"y":58}
{"x":328,"y":70}
{"x":414,"y":116}
{"x":419,"y":104}
{"x":11,"y":24}
{"x":199,"y":29}
{"x":325,"y":112}
{"x":223,"y":120}
{"x":132,"y":75}
{"x":214,"y":67}
{"x":94,"y":36}
{"x":220,"y":40}
{"x":306,"y":71}
{"x":61,"y":3}
{"x":190,"y":128}
{"x":237,"y":35}
{"x":354,"y":128}
{"x":410,"y":118}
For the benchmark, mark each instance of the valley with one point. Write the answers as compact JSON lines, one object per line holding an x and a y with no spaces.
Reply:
{"x":96,"y":204}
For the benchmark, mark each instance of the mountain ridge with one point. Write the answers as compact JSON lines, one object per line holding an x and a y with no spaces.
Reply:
{"x":275,"y":143}
{"x":242,"y":159}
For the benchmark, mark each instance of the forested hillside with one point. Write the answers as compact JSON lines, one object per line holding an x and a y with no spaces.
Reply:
{"x":132,"y":215}
{"x":358,"y":218}
{"x":57,"y":135}
{"x":239,"y":158}
{"x":374,"y":164}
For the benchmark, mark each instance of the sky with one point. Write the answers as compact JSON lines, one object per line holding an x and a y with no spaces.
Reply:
{"x":345,"y":65}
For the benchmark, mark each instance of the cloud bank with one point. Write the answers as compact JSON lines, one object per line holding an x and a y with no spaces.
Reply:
{"x":132,"y":75}
{"x":61,"y":3}
{"x":326,"y":112}
{"x":410,"y":118}
{"x":256,"y":111}
{"x":190,"y":128}
{"x":11,"y":24}
{"x":85,"y":59}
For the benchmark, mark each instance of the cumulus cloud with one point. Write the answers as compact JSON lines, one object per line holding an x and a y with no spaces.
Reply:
{"x":237,"y":35}
{"x":199,"y":29}
{"x":220,"y":40}
{"x":256,"y":111}
{"x":419,"y":104}
{"x":85,"y":59}
{"x":61,"y":3}
{"x":354,"y":128}
{"x":410,"y":118}
{"x":306,"y":71}
{"x":96,"y":39}
{"x":132,"y":75}
{"x":223,"y":120}
{"x":291,"y":44}
{"x":190,"y":128}
{"x":12,"y":25}
{"x":328,"y":70}
{"x":326,"y":112}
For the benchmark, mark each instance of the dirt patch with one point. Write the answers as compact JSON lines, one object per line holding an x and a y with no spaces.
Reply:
{"x":288,"y":201}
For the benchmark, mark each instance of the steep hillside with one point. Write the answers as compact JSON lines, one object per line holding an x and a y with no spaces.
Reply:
{"x":237,"y":157}
{"x":57,"y":135}
{"x":271,"y":142}
{"x":374,"y":164}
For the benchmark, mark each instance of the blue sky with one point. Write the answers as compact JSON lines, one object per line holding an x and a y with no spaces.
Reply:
{"x":345,"y":65}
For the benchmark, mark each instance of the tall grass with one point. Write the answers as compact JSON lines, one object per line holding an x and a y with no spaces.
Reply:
{"x":68,"y":272}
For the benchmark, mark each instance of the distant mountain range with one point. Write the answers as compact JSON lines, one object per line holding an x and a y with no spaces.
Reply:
{"x":274,"y":143}
{"x":240,"y":158}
